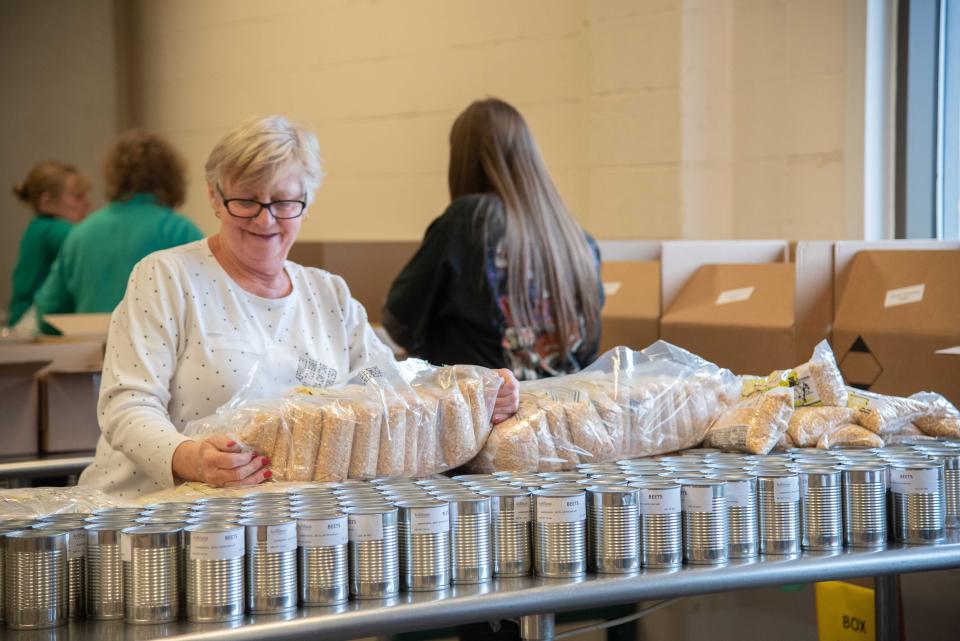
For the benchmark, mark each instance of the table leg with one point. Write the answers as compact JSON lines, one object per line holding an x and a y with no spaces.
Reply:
{"x":886,"y":602}
{"x":536,"y":627}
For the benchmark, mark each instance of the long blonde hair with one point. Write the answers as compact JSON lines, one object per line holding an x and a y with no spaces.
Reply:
{"x":493,"y":151}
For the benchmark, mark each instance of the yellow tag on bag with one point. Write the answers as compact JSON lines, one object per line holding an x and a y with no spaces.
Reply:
{"x":845,"y":612}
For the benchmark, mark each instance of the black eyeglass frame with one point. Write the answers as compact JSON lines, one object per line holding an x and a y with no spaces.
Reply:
{"x":267,"y":206}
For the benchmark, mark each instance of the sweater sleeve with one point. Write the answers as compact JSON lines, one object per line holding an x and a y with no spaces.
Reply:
{"x":414,"y":296}
{"x":54,"y":296}
{"x":142,"y":353}
{"x":362,"y":343}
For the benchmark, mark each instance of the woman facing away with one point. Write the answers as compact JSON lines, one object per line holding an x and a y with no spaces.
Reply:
{"x":145,"y":181}
{"x":505,"y":277}
{"x":57,"y":194}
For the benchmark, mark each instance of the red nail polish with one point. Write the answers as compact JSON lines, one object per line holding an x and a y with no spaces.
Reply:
{"x":267,"y":474}
{"x":231,"y":443}
{"x":264,"y":461}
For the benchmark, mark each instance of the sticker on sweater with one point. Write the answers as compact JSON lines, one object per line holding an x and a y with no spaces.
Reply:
{"x":365,"y":527}
{"x":697,"y":499}
{"x":321,"y":533}
{"x":735,"y":295}
{"x":660,"y":500}
{"x":313,"y":373}
{"x":908,"y":481}
{"x":786,"y":490}
{"x":430,"y":520}
{"x":282,"y":538}
{"x":216,"y":546}
{"x":904,"y":295}
{"x":561,"y":509}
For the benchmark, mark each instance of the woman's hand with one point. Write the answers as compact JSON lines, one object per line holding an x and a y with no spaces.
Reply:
{"x":218,"y":460}
{"x":508,"y":398}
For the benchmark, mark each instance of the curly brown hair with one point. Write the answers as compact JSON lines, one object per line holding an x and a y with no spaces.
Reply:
{"x":144,"y":163}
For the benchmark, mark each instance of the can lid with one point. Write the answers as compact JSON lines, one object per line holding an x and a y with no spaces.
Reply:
{"x":505,"y":491}
{"x":370,"y":509}
{"x":319,"y":515}
{"x":421,"y":503}
{"x":212,"y":526}
{"x":260,"y":520}
{"x":559,"y":492}
{"x":47,"y":540}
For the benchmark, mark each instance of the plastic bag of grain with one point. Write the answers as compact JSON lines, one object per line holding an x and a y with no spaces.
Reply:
{"x":626,"y":404}
{"x":808,"y":424}
{"x":883,"y":414}
{"x":940,"y":419}
{"x":755,"y":424}
{"x":849,"y":435}
{"x":816,"y":382}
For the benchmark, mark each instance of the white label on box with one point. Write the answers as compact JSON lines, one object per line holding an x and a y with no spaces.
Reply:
{"x":696,"y":499}
{"x":78,"y":545}
{"x":739,"y":494}
{"x":611,"y":288}
{"x":660,"y":500}
{"x":905,"y":481}
{"x":282,"y":538}
{"x":735,"y":295}
{"x":365,"y":527}
{"x":216,"y":546}
{"x":430,"y":520}
{"x":950,"y":351}
{"x":561,"y":509}
{"x":904,"y":296}
{"x":126,"y":551}
{"x":786,"y":490}
{"x":322,"y":533}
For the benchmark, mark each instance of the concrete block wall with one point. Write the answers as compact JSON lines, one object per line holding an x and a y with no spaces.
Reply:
{"x":657,"y":118}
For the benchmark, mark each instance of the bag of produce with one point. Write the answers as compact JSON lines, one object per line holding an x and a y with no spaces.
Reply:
{"x":755,"y":424}
{"x":816,"y":382}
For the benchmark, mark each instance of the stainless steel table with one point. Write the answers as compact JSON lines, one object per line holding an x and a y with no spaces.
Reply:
{"x":532,"y":598}
{"x":15,"y":468}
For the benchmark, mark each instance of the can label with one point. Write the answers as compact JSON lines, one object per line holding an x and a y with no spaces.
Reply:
{"x":77,"y":544}
{"x":282,"y":538}
{"x":126,"y":547}
{"x":521,"y":509}
{"x":430,"y":520}
{"x":906,"y":481}
{"x":697,"y":499}
{"x":786,"y":490}
{"x":739,"y":494}
{"x":216,"y":546}
{"x":660,"y":500}
{"x":561,"y":509}
{"x":322,"y":533}
{"x":365,"y":527}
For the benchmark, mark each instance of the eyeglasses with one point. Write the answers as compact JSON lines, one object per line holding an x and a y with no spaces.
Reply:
{"x":248,"y":208}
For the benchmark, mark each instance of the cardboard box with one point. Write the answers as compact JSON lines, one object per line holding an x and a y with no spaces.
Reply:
{"x":814,"y":264}
{"x":739,"y":316}
{"x":68,"y":388}
{"x":80,"y":326}
{"x":896,"y":311}
{"x":368,"y":267}
{"x":619,"y":251}
{"x":631,"y":312}
{"x":19,"y":404}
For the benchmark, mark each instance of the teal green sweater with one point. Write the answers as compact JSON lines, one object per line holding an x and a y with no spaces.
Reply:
{"x":90,"y":274}
{"x":39,"y":247}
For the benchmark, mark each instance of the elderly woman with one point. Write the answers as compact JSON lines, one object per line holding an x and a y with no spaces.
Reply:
{"x":197,"y":319}
{"x":145,"y":181}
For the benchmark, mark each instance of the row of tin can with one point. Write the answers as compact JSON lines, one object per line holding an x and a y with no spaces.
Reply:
{"x":219,"y":557}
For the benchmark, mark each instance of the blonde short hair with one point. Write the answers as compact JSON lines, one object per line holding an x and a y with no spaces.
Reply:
{"x":261,"y":149}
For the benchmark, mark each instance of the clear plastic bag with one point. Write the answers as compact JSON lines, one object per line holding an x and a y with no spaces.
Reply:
{"x":405,"y":418}
{"x":882,"y":414}
{"x":940,"y":419}
{"x":33,"y":502}
{"x":849,"y":435}
{"x":755,"y":424}
{"x":808,"y":424}
{"x":626,"y":404}
{"x":816,"y":382}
